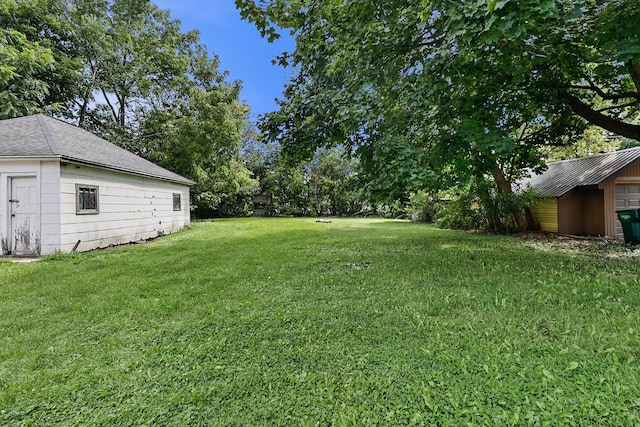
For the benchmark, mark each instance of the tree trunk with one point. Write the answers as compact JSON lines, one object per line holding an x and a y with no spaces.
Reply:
{"x":87,"y":94}
{"x":504,"y":186}
{"x":634,"y":71}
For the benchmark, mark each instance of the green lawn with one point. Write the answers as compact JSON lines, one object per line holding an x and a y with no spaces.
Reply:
{"x":293,"y":322}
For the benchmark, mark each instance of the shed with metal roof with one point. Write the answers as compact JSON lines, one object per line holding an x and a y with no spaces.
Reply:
{"x":63,"y":188}
{"x":581,"y":196}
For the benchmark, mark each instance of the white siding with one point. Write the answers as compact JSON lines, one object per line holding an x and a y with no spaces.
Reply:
{"x":131,"y":208}
{"x":47,"y":173}
{"x":49,"y":207}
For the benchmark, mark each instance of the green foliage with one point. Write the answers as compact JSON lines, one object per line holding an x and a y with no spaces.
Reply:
{"x":423,"y":206}
{"x":326,"y":185}
{"x":202,"y":141}
{"x":506,"y":211}
{"x":136,"y":59}
{"x":479,"y":205}
{"x":460,"y":210}
{"x":592,"y":142}
{"x":427,"y":93}
{"x":165,"y":99}
{"x":628,"y":143}
{"x":39,"y":71}
{"x":357,"y":322}
{"x":333,"y":184}
{"x":394,"y":209}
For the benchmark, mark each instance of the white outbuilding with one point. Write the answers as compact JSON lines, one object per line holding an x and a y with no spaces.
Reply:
{"x":64,"y":189}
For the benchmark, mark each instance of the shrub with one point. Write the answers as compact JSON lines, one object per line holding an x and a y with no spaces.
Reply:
{"x":480,"y":205}
{"x":422,"y":206}
{"x":460,"y":212}
{"x":391,"y":210}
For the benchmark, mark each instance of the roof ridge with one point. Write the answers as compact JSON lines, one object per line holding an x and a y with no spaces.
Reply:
{"x":49,"y":135}
{"x":608,"y":153}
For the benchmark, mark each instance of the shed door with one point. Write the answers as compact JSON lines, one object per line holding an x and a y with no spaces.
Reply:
{"x":627,"y":196}
{"x":24,"y":234}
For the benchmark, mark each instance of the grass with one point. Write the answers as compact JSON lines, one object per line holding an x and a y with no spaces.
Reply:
{"x":292,"y":322}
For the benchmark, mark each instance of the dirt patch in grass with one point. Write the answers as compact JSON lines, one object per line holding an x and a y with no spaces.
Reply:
{"x":603,"y":247}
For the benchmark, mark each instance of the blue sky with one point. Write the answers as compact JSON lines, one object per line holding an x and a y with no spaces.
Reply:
{"x":243,"y":53}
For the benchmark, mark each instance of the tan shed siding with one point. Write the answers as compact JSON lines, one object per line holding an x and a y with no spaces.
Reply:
{"x":593,"y":212}
{"x":570,"y":213}
{"x":631,"y":171}
{"x":610,"y":217}
{"x":546,"y":212}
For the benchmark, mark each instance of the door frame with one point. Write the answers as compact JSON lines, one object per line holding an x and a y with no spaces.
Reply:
{"x":6,"y":247}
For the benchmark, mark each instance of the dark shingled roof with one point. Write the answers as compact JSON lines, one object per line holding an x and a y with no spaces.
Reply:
{"x":42,"y":136}
{"x":562,"y":177}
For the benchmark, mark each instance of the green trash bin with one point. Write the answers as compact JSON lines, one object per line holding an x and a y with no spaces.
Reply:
{"x":630,"y":220}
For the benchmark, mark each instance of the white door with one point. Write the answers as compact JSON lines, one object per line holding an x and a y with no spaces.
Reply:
{"x":24,"y":234}
{"x":627,"y":197}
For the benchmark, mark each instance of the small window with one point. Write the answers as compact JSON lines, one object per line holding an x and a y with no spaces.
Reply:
{"x":177,"y":205}
{"x":86,"y":199}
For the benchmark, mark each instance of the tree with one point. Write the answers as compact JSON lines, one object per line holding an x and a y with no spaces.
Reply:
{"x":201,"y":140}
{"x":462,"y":89}
{"x":136,"y":59}
{"x":39,"y":71}
{"x":332,"y":183}
{"x":325,"y":185}
{"x":593,"y":141}
{"x":124,"y":70}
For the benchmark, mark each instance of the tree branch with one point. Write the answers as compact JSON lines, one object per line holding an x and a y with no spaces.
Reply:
{"x":583,"y":110}
{"x":615,"y":107}
{"x":113,"y":110}
{"x":602,"y":94}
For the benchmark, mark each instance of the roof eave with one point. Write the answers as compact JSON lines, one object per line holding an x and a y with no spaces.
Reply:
{"x":31,"y":157}
{"x":70,"y":159}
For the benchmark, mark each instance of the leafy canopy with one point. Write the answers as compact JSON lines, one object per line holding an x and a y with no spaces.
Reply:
{"x":425,"y":90}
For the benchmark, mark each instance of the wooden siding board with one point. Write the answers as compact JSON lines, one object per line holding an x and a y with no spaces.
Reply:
{"x":632,"y":171}
{"x":593,"y":217}
{"x":570,"y":213}
{"x":546,"y":212}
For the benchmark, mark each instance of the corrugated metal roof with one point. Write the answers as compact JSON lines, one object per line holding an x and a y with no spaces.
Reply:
{"x":42,"y":136}
{"x":562,"y":177}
